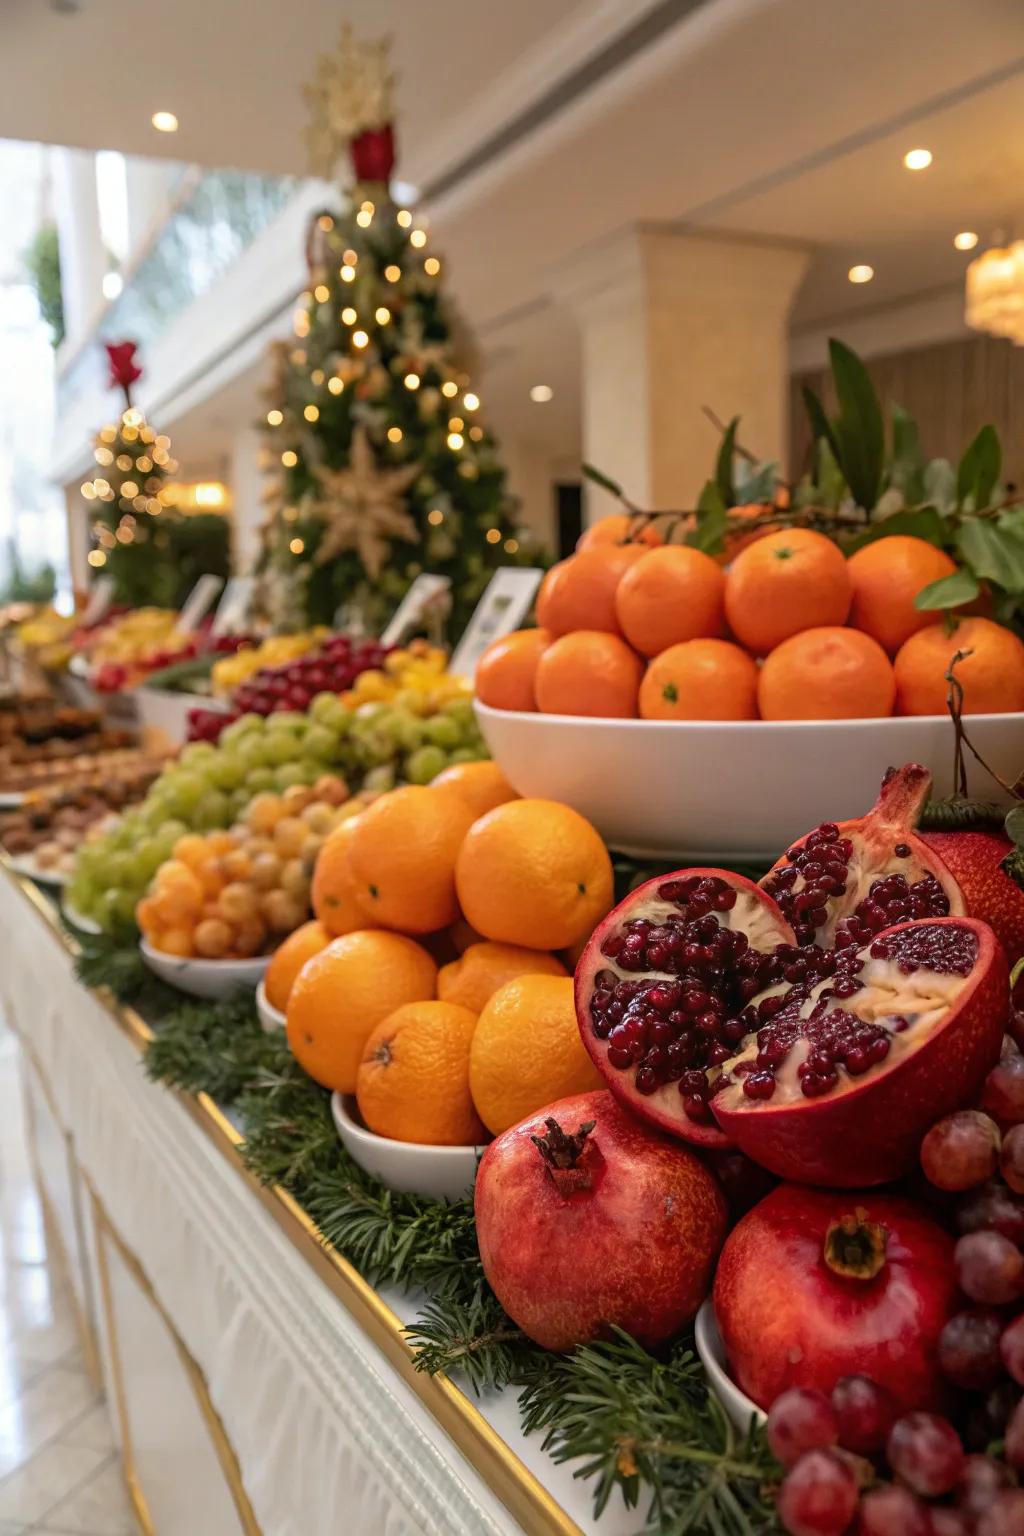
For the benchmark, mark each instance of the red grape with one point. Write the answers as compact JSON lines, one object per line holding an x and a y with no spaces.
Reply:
{"x":818,"y":1496}
{"x":947,"y":1522}
{"x":961,"y":1151}
{"x":1011,"y":1163}
{"x":981,"y":1480}
{"x":1002,"y":1097}
{"x":924,"y":1450}
{"x":1005,"y":1517}
{"x":800,"y":1420}
{"x":989,"y":1268}
{"x":893,"y":1511}
{"x":1014,"y":1438}
{"x":969,"y":1349}
{"x":992,"y":1208}
{"x":865,"y":1413}
{"x":1011,"y":1347}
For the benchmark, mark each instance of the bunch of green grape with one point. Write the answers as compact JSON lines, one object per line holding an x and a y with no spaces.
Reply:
{"x":375,"y":747}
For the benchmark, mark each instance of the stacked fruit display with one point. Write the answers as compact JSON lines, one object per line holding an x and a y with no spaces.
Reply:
{"x":791,"y":630}
{"x":47,"y":829}
{"x":424,"y":873}
{"x":234,"y":894}
{"x":277,"y":650}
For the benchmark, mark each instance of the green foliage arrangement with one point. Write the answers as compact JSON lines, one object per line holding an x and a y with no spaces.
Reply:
{"x":42,"y":262}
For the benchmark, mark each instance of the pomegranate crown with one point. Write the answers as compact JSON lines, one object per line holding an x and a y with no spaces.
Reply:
{"x":855,"y":1246}
{"x":558,"y":1149}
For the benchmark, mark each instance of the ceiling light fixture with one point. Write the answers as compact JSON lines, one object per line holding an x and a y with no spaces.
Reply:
{"x":112,"y":284}
{"x":917,"y":159}
{"x":995,"y":292}
{"x":861,"y":273}
{"x":164,"y":122}
{"x":966,"y":240}
{"x":540,"y":394}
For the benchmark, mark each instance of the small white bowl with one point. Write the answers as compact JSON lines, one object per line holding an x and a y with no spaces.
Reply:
{"x":80,"y":921}
{"x":204,"y":978}
{"x":270,"y":1017}
{"x":740,"y":1408}
{"x":436,"y":1173}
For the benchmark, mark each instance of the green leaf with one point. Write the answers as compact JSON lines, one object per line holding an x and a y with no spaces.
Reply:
{"x":948,"y":592}
{"x":604,"y":481}
{"x":712,"y":523}
{"x":921,"y":523}
{"x":859,"y":428}
{"x":723,"y":465}
{"x":821,"y":427}
{"x":992,"y":553}
{"x":906,"y":471}
{"x":759,"y":487}
{"x":940,"y":485}
{"x":979,"y":468}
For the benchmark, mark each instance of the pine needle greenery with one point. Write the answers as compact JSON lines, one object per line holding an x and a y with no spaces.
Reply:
{"x":644,"y":1425}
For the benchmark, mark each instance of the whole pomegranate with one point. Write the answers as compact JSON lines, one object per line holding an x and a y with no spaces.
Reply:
{"x":812,"y":1286}
{"x":974,"y":859}
{"x":586,"y":1218}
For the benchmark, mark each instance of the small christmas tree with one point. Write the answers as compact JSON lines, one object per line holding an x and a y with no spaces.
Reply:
{"x":382,"y":467}
{"x":154,"y":554}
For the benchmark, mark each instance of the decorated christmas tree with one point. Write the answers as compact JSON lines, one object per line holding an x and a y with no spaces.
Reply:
{"x":381,"y":465}
{"x":154,"y":553}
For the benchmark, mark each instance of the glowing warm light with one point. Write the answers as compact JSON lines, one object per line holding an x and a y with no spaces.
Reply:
{"x":321,"y":293}
{"x":995,"y":292}
{"x":351,"y":257}
{"x":404,"y":217}
{"x":966,"y":240}
{"x":470,"y":401}
{"x":163,"y":441}
{"x":298,"y":356}
{"x":449,"y":388}
{"x":103,"y":456}
{"x":493,"y":536}
{"x":291,"y":514}
{"x":124,"y":535}
{"x":123,"y":462}
{"x":209,"y":493}
{"x":317,"y":376}
{"x":349,"y":315}
{"x":917,"y":159}
{"x":275,"y":418}
{"x":455,"y":424}
{"x":89,"y":491}
{"x":412,"y":381}
{"x":108,"y":434}
{"x":289,"y":458}
{"x":347,"y":273}
{"x":143,"y":464}
{"x":161,"y":456}
{"x":431,"y":266}
{"x":455,"y":440}
{"x":382,"y":314}
{"x":511,"y":545}
{"x":297,"y":546}
{"x":311,"y":412}
{"x":300,"y":324}
{"x":366,"y":207}
{"x":325,"y":222}
{"x":164,"y":122}
{"x":540,"y":394}
{"x":133,"y":418}
{"x":394,"y":434}
{"x":392,"y":273}
{"x":861,"y":273}
{"x":360,"y":339}
{"x":335,"y":385}
{"x":129,"y":489}
{"x":364,"y":219}
{"x":435,"y":517}
{"x":112,"y":284}
{"x":97,"y":557}
{"x":476,"y":433}
{"x":418,"y":237}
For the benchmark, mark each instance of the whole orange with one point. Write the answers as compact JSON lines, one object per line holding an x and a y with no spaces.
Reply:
{"x":534,"y":872}
{"x":620,"y":528}
{"x":483,"y":968}
{"x":413,"y":1079}
{"x":333,"y":892}
{"x":289,"y":958}
{"x":344,"y":992}
{"x":829,"y":673}
{"x":886,"y":577}
{"x":589,"y":673}
{"x":791,"y":580}
{"x":527,"y":1051}
{"x":700,"y":680}
{"x":992,"y":675}
{"x":481,"y":785}
{"x":506,"y":670}
{"x":669,"y":595}
{"x":580,"y":592}
{"x":402,"y":856}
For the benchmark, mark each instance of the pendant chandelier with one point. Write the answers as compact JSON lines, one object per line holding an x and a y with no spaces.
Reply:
{"x":995,"y":292}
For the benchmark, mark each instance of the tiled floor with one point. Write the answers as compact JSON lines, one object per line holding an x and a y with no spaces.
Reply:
{"x":59,"y":1472}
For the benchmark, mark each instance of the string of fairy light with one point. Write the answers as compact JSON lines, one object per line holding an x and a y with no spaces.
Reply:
{"x":451,"y":388}
{"x":143,"y":493}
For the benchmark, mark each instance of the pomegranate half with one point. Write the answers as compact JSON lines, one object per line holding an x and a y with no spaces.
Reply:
{"x":836,"y":1083}
{"x":587,"y":1219}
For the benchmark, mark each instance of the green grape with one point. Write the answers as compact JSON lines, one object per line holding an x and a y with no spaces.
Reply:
{"x":213,"y":811}
{"x":226,"y":771}
{"x":281,"y":747}
{"x":442,"y":731}
{"x":252,"y":753}
{"x":187,"y":792}
{"x":104,"y":909}
{"x":465,"y":755}
{"x":381,"y":778}
{"x":258,"y":780}
{"x":460,"y":710}
{"x":287,"y":720}
{"x":322,"y":743}
{"x":197,"y":754}
{"x":425,"y":764}
{"x":244,"y":726}
{"x":122,"y":905}
{"x":149,"y":855}
{"x":172,"y":830}
{"x":327,"y":709}
{"x":369,"y":711}
{"x":238,"y":799}
{"x":290,"y":774}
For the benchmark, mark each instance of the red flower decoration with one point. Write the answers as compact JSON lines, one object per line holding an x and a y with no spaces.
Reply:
{"x":123,"y":368}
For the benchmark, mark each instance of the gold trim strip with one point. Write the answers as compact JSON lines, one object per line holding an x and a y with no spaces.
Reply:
{"x":522,"y":1493}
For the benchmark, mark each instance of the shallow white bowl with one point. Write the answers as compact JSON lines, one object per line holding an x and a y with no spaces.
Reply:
{"x":711,"y":1350}
{"x":26,"y":865}
{"x":729,"y":791}
{"x":204,"y":978}
{"x":166,"y":713}
{"x":79,"y":920}
{"x":270,"y":1017}
{"x":437,"y":1173}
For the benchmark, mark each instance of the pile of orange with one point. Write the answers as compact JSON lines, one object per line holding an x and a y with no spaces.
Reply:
{"x":428,"y":985}
{"x":790,"y":629}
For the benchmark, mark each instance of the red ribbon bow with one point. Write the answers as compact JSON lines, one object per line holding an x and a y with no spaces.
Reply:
{"x":123,"y":368}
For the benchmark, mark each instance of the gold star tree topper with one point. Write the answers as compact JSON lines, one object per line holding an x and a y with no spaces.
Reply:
{"x":362,"y":507}
{"x":351,"y":92}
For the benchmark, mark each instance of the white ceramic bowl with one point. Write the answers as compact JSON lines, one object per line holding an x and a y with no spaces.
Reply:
{"x":26,"y":865}
{"x":711,"y":1350}
{"x":80,"y":921}
{"x":166,"y":713}
{"x":270,"y":1017}
{"x":437,"y":1173}
{"x":204,"y":978}
{"x":729,"y":791}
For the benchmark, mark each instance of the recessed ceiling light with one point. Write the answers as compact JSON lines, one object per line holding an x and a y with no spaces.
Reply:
{"x":917,"y":159}
{"x":541,"y":393}
{"x":164,"y":122}
{"x":861,"y":273}
{"x":112,"y":284}
{"x":966,"y":240}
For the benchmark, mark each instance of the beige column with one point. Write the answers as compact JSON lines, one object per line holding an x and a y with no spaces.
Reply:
{"x":672,"y":321}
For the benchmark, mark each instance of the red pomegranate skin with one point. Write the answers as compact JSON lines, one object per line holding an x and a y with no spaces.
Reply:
{"x":628,"y":1237}
{"x":787,"y":1320}
{"x":973,"y":859}
{"x":871,"y":1132}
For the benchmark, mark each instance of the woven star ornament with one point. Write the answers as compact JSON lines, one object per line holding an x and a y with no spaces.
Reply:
{"x":351,"y":92}
{"x":362,"y":507}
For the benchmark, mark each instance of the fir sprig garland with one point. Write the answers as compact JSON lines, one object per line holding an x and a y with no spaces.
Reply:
{"x":645,"y":1425}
